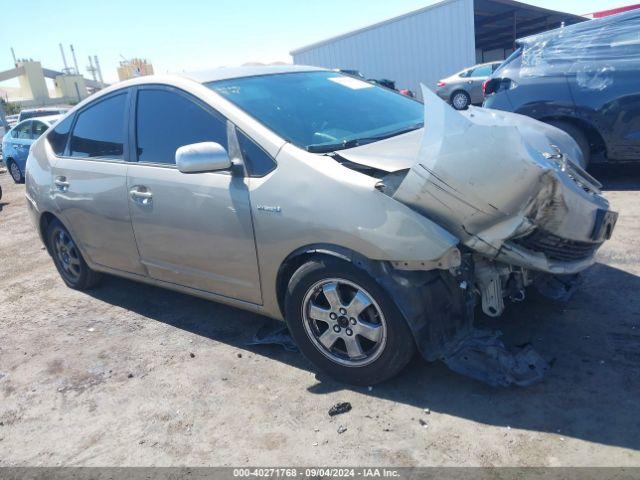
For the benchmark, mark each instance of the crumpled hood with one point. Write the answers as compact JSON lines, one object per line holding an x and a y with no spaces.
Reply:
{"x":489,"y":177}
{"x":392,"y":154}
{"x":400,"y":152}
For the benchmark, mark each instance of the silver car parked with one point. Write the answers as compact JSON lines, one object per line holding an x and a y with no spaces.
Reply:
{"x":465,"y":88}
{"x":317,"y":198}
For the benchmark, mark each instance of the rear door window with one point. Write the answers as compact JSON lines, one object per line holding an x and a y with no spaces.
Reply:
{"x":38,"y":128}
{"x":483,"y":71}
{"x":99,"y":131}
{"x":167,"y":119}
{"x":23,"y":131}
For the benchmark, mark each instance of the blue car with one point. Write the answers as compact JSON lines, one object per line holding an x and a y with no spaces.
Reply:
{"x":18,"y":140}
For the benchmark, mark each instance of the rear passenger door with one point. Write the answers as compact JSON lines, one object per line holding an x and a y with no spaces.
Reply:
{"x":475,"y":80}
{"x":90,"y":181}
{"x":194,"y":229}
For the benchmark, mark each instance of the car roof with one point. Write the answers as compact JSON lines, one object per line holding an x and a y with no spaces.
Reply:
{"x":43,"y":109}
{"x":225,"y":73}
{"x":49,"y":119}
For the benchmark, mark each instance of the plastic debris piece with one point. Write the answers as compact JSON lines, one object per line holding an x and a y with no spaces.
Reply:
{"x":342,"y":429}
{"x":274,"y":333}
{"x":339,"y":408}
{"x":483,"y":356}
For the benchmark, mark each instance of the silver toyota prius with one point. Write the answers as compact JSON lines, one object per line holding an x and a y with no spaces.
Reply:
{"x":370,"y":222}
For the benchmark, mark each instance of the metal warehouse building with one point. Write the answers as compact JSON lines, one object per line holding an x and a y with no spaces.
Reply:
{"x":433,"y":42}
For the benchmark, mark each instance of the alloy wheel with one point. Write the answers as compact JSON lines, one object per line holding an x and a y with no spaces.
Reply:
{"x":67,"y":254}
{"x":344,"y":322}
{"x":460,"y":101}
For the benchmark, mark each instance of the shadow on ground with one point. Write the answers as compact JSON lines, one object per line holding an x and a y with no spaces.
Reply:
{"x":623,"y":177}
{"x":591,"y":392}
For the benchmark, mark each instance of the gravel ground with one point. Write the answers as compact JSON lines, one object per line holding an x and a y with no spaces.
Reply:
{"x":130,"y":374}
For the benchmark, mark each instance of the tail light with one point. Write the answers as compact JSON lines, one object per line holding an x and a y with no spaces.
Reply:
{"x":484,"y":87}
{"x":495,"y":85}
{"x":441,"y":83}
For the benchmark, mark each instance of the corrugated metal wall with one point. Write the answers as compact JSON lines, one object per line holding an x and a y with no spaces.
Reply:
{"x":417,"y":48}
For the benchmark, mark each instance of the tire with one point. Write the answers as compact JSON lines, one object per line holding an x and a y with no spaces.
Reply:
{"x":380,"y":330}
{"x":460,"y":100}
{"x":579,"y":136}
{"x":68,"y":260}
{"x":15,"y":172}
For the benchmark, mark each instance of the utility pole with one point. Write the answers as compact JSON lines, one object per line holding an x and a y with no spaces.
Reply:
{"x":64,"y":60}
{"x":75,"y":62}
{"x":13,"y":54}
{"x":95,"y":58}
{"x":91,"y":69}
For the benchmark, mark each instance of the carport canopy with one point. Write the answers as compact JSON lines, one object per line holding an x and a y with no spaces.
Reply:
{"x":498,"y":23}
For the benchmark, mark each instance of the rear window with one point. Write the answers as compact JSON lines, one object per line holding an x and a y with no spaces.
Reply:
{"x":510,"y":59}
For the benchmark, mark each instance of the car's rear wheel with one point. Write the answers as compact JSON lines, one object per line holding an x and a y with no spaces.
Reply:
{"x":460,"y":100}
{"x":68,"y":260}
{"x":579,"y":136}
{"x":346,"y":324}
{"x":16,"y":173}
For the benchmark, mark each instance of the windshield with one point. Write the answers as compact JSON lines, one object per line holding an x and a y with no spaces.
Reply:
{"x":322,"y":111}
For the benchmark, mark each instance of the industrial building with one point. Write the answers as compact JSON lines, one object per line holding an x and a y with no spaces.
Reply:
{"x":433,"y":42}
{"x":70,"y":86}
{"x":136,"y":67}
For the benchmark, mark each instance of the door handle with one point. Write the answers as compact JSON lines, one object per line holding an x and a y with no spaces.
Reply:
{"x":141,"y":195}
{"x":61,"y":183}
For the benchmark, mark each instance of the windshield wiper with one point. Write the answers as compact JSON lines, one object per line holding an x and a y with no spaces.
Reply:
{"x":331,"y":147}
{"x":356,"y":142}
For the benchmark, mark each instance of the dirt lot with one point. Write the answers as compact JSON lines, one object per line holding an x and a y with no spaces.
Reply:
{"x":136,"y":375}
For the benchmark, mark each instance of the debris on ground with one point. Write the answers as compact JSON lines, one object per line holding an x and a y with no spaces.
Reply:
{"x":342,"y":429}
{"x":192,"y":355}
{"x":239,"y":355}
{"x":483,"y":356}
{"x":130,"y":375}
{"x":423,"y":423}
{"x":427,"y":411}
{"x":339,"y":408}
{"x":274,"y":332}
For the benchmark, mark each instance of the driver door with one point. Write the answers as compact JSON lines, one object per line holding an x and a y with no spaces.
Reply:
{"x":192,"y":229}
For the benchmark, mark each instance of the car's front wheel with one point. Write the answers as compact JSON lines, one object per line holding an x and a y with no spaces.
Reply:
{"x":346,"y":324}
{"x":16,"y":173}
{"x":68,"y":260}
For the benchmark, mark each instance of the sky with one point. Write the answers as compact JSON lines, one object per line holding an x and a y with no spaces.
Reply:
{"x":187,"y":35}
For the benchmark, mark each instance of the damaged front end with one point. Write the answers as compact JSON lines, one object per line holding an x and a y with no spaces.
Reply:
{"x":510,"y":188}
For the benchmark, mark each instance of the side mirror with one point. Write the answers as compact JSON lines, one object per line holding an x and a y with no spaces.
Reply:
{"x":202,"y":157}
